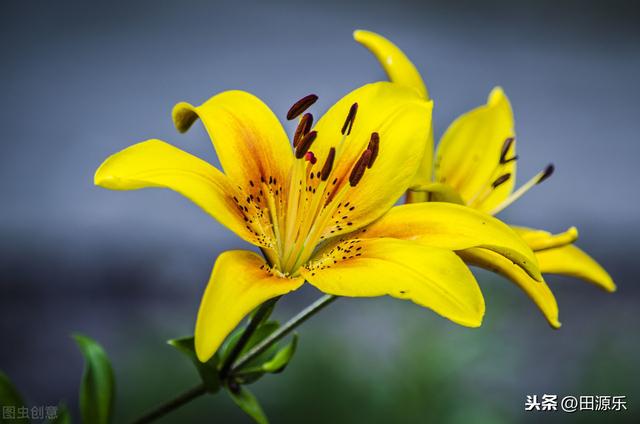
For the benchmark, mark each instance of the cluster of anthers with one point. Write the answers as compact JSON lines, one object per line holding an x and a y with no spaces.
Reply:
{"x":500,"y":177}
{"x":290,"y":218}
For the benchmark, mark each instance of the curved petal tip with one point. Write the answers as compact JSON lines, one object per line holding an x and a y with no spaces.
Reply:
{"x":395,"y":63}
{"x":360,"y":34}
{"x":496,"y":95}
{"x":183,"y":115}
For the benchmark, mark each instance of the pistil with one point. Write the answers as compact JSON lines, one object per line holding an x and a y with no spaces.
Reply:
{"x":316,"y":194}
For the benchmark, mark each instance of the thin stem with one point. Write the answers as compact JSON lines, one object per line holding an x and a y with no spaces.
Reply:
{"x":199,"y":390}
{"x":255,"y":320}
{"x":281,"y":332}
{"x":172,"y":404}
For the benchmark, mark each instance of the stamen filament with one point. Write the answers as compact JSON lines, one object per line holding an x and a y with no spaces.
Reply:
{"x":293,"y":200}
{"x":319,"y":224}
{"x":537,"y":179}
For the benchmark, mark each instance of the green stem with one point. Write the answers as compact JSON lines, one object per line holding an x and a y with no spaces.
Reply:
{"x":230,"y":366}
{"x":281,"y":332}
{"x":172,"y":404}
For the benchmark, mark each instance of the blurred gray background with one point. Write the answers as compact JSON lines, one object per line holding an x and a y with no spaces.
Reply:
{"x":81,"y":80}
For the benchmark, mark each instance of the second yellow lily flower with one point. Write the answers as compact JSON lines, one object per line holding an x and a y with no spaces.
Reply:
{"x":475,"y":165}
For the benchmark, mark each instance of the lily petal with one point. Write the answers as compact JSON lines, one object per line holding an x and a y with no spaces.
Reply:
{"x":469,"y":153}
{"x":154,"y":163}
{"x":556,"y":254}
{"x":434,"y":192}
{"x":240,"y":281}
{"x":400,"y":70}
{"x":402,"y":120}
{"x":538,"y":291}
{"x":250,"y":142}
{"x":542,"y":240}
{"x":573,"y":261}
{"x":430,"y":277}
{"x":393,"y":60}
{"x":454,"y":227}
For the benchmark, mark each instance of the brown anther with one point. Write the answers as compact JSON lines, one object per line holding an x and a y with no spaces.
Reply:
{"x":301,"y":105}
{"x":505,"y":151}
{"x":351,"y":116}
{"x":305,"y":143}
{"x":548,"y":171}
{"x":374,"y":144}
{"x":303,"y":128}
{"x":328,"y":164}
{"x":501,"y":180}
{"x":358,"y":170}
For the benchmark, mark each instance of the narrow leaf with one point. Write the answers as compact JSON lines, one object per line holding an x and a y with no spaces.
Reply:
{"x":270,"y":307}
{"x":249,"y":375}
{"x":208,"y":370}
{"x":97,"y":390}
{"x":10,"y":401}
{"x":249,"y":404}
{"x":262,"y":332}
{"x":282,"y":358}
{"x":274,"y":360}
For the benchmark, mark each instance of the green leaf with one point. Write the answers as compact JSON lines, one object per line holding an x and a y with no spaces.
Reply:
{"x":11,"y":399}
{"x":228,"y":344}
{"x":271,"y":304}
{"x":62,"y":415}
{"x":248,"y":403}
{"x":248,"y":376}
{"x":208,"y":370}
{"x":232,"y":339}
{"x":274,"y":362}
{"x":97,"y":390}
{"x":262,"y":332}
{"x":282,"y":358}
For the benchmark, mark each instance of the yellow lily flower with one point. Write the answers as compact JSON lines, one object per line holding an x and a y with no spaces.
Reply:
{"x":475,"y":165}
{"x":311,"y":210}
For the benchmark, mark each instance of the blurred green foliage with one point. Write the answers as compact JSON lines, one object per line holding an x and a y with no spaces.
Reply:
{"x":381,"y":361}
